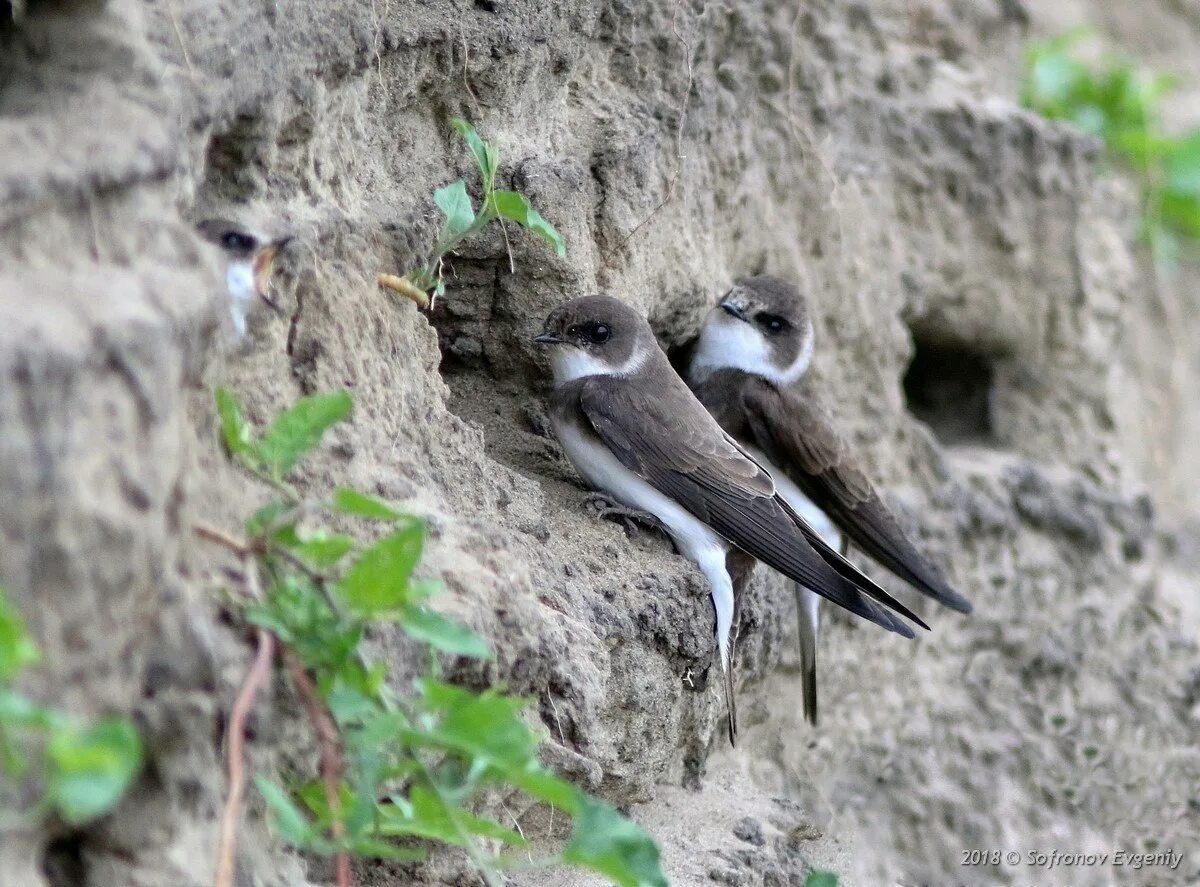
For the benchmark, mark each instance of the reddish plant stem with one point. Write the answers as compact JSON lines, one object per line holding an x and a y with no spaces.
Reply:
{"x":332,"y":761}
{"x":258,"y":674}
{"x":220,"y":537}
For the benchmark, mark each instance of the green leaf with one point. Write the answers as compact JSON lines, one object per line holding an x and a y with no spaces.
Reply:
{"x":258,"y":522}
{"x":321,"y":549}
{"x":1183,"y":167}
{"x":428,"y":815}
{"x":382,"y":729}
{"x":299,"y":429}
{"x":12,"y":756}
{"x":378,"y":581}
{"x":821,"y":879}
{"x":516,"y":207}
{"x":1182,"y":212}
{"x":429,"y":818}
{"x":20,"y":712}
{"x":1090,"y":119}
{"x":485,"y":725}
{"x":455,"y":202}
{"x":325,"y":551}
{"x":235,"y":430}
{"x":422,"y":590}
{"x":353,"y":502}
{"x":289,"y":820}
{"x":606,"y":842}
{"x":312,"y":795}
{"x":371,"y":849}
{"x":486,"y":157}
{"x":540,"y":783}
{"x":443,"y":634}
{"x":348,"y":704}
{"x":17,"y":649}
{"x":266,"y":618}
{"x":487,"y":828}
{"x":89,"y":769}
{"x":1055,"y":80}
{"x":493,"y":163}
{"x":366,"y":769}
{"x":1142,"y":148}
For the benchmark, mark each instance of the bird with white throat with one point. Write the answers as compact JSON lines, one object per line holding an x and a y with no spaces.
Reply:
{"x":756,"y":343}
{"x":249,"y":262}
{"x":633,"y":430}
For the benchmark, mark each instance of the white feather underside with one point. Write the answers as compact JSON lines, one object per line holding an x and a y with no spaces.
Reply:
{"x":239,"y":279}
{"x":729,"y":343}
{"x":569,"y":363}
{"x":695,"y":541}
{"x":808,"y":617}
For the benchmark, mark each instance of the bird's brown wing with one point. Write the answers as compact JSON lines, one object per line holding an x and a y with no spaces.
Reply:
{"x":724,"y":395}
{"x":663,"y":434}
{"x":799,"y":431}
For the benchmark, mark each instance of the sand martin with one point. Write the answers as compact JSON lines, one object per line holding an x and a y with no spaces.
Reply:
{"x":634,"y":430}
{"x":250,"y":258}
{"x":755,"y":344}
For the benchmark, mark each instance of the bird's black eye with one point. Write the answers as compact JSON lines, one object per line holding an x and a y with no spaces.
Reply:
{"x":772,"y":322}
{"x":597,"y":333}
{"x":236,"y":240}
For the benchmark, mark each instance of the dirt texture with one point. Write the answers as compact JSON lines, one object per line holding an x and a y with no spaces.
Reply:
{"x":872,"y":152}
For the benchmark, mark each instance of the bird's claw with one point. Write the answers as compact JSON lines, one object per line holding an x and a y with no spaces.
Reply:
{"x":630,"y":518}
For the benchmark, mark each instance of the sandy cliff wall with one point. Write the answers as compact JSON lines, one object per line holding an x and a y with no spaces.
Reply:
{"x":871,"y":152}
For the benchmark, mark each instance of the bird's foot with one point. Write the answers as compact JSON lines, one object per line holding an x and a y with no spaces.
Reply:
{"x":631,"y":519}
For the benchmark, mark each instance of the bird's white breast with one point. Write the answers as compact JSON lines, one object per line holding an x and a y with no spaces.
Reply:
{"x":728,"y":343}
{"x":569,"y":363}
{"x":604,"y":471}
{"x":694,"y":539}
{"x":239,"y":279}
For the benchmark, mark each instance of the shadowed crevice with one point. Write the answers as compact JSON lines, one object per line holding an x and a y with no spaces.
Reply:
{"x":949,"y":388}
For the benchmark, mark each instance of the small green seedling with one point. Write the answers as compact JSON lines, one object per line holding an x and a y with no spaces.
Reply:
{"x":84,"y":768}
{"x":462,"y":220}
{"x":411,"y":766}
{"x":1115,"y":101}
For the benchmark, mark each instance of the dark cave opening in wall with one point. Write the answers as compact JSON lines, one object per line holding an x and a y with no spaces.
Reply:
{"x":949,"y":388}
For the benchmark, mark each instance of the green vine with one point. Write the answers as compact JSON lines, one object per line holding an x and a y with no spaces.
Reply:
{"x":84,"y":768}
{"x":399,"y":768}
{"x":1121,"y":104}
{"x":462,"y":220}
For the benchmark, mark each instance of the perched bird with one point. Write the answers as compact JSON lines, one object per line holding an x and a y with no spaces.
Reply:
{"x":250,"y":258}
{"x":632,"y":428}
{"x":755,"y":344}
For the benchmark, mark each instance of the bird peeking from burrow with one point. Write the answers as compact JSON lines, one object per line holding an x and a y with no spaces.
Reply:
{"x":634,"y":430}
{"x":249,"y":262}
{"x":755,"y":343}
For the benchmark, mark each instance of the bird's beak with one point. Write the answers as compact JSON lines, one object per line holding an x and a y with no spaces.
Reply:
{"x":264,"y":265}
{"x":734,"y":311}
{"x":547,"y":339}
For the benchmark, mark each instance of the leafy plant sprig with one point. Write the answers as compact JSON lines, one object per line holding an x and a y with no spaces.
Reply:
{"x":1121,"y":104}
{"x":462,"y":220}
{"x":84,"y":768}
{"x":399,"y":769}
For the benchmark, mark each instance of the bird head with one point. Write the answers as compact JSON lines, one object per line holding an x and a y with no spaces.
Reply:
{"x":596,"y":336}
{"x":250,"y":252}
{"x":761,"y":326}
